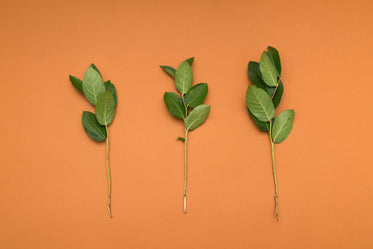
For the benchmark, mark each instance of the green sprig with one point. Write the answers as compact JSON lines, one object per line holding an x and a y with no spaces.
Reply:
{"x":187,"y":105}
{"x":103,"y":96}
{"x":263,"y":97}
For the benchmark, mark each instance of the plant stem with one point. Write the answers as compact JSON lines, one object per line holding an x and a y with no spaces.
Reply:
{"x":185,"y":169}
{"x":274,"y":170}
{"x":108,"y":172}
{"x":274,"y":92}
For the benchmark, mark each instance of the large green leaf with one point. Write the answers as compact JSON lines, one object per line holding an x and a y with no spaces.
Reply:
{"x":196,"y":95}
{"x":105,"y":108}
{"x":77,"y":83}
{"x":174,"y":104}
{"x":196,"y":117}
{"x":183,"y":78}
{"x":255,"y":75}
{"x":110,"y":86}
{"x":282,"y":126}
{"x":91,"y":126}
{"x":259,"y":103}
{"x":190,"y":60}
{"x":275,"y":58}
{"x":93,"y":86}
{"x":263,"y":126}
{"x":268,"y":70}
{"x":169,"y":70}
{"x":276,"y":98}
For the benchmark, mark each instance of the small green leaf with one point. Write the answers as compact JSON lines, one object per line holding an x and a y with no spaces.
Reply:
{"x":110,"y":86}
{"x":190,"y":60}
{"x":263,"y":126}
{"x":259,"y":103}
{"x":275,"y":58}
{"x":174,"y":104}
{"x":196,"y":95}
{"x":169,"y":70}
{"x":278,"y":94}
{"x":77,"y":83}
{"x":91,"y":126}
{"x":196,"y":117}
{"x":95,"y":68}
{"x":180,"y":139}
{"x":105,"y":108}
{"x":183,"y":78}
{"x":268,"y":70}
{"x":93,"y":86}
{"x":282,"y":126}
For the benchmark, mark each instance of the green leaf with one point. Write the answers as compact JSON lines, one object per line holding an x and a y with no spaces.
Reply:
{"x":105,"y":108}
{"x":180,"y":139}
{"x":263,"y":126}
{"x":278,"y":94}
{"x":268,"y":70}
{"x":77,"y":83}
{"x":169,"y":70}
{"x":183,"y":78}
{"x":91,"y":126}
{"x":110,"y":86}
{"x":95,"y":68}
{"x":259,"y":103}
{"x":196,"y":95}
{"x":93,"y":86}
{"x":174,"y":104}
{"x":255,"y":75}
{"x":190,"y":60}
{"x":275,"y":58}
{"x":282,"y":126}
{"x":196,"y":117}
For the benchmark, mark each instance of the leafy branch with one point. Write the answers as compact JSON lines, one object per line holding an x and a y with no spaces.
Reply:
{"x":103,"y":96}
{"x":187,"y":105}
{"x":263,"y":97}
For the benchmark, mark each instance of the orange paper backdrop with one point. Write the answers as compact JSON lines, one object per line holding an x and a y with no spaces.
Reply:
{"x":53,"y":185}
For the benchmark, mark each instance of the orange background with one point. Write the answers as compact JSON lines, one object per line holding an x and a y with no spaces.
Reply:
{"x":53,"y":186}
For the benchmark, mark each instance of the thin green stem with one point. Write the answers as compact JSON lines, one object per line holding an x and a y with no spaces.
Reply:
{"x":185,"y":169}
{"x":185,"y":157}
{"x":108,"y":171}
{"x":274,"y":92}
{"x":274,"y":170}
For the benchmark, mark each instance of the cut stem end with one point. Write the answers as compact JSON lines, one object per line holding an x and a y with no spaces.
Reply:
{"x":185,"y":209}
{"x":276,"y":206}
{"x":109,"y":210}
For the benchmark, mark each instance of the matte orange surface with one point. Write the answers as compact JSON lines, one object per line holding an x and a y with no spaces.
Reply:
{"x":53,"y":185}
